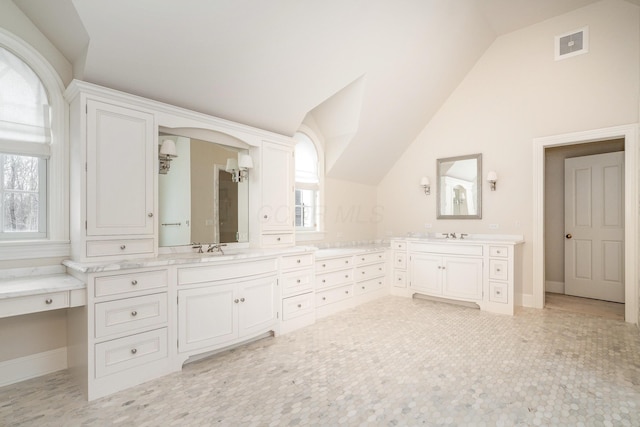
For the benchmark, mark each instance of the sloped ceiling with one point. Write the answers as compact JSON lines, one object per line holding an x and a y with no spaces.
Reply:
{"x":270,"y":63}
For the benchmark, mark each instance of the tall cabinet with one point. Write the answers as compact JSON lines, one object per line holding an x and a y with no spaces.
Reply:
{"x":113,"y":148}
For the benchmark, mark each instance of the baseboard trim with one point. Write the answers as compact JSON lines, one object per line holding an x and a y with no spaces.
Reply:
{"x":524,"y":300}
{"x":553,"y":286}
{"x":27,"y":367}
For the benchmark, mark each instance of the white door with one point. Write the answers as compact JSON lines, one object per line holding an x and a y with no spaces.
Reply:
{"x":276,"y":213}
{"x":425,"y":273}
{"x":594,"y":226}
{"x":119,"y":170}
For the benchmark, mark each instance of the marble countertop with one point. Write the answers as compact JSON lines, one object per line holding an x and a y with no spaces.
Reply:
{"x":470,"y":239}
{"x":180,"y":258}
{"x":35,"y":285}
{"x":344,"y":251}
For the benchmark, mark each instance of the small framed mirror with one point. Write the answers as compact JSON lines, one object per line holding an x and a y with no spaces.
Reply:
{"x":460,"y":187}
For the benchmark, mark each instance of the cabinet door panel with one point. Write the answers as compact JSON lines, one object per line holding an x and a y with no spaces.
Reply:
{"x":276,"y":213}
{"x":425,"y":273}
{"x":206,"y":317}
{"x":463,"y":278}
{"x":119,"y":170}
{"x":257,"y":305}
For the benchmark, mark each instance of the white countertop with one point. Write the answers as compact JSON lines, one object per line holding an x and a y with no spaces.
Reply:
{"x":470,"y":239}
{"x":35,"y":285}
{"x":352,"y":250}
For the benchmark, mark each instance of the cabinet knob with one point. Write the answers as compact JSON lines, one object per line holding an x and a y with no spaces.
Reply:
{"x":123,"y":247}
{"x":236,"y":300}
{"x":363,"y":272}
{"x":324,"y":298}
{"x":363,"y":287}
{"x":444,"y":268}
{"x":299,"y":305}
{"x":48,"y":301}
{"x":380,"y":268}
{"x":134,"y":350}
{"x":346,"y":292}
{"x":266,"y":216}
{"x":134,"y":313}
{"x":241,"y":299}
{"x":298,"y":261}
{"x":298,"y":281}
{"x":346,"y":276}
{"x":324,"y":265}
{"x":498,"y":251}
{"x":498,"y":270}
{"x":346,"y":261}
{"x":278,"y":239}
{"x":150,"y":214}
{"x":363,"y":259}
{"x":134,"y":282}
{"x":324,"y":281}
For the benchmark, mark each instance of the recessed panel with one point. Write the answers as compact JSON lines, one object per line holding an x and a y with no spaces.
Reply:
{"x":612,"y":256}
{"x":582,"y":207}
{"x":583,"y":262}
{"x":612,"y":215}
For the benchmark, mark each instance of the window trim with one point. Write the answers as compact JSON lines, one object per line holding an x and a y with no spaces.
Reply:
{"x":319,"y":232}
{"x":57,"y":242}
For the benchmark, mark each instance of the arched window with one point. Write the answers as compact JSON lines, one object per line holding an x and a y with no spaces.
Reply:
{"x":33,"y":190}
{"x":308,"y":184}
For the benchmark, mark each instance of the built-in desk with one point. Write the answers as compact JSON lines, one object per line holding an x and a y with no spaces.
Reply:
{"x":24,"y":291}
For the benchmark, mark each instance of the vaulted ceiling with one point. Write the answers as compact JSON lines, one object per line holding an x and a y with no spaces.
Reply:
{"x":369,"y":73}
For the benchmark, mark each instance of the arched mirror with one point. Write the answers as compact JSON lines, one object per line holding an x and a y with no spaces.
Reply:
{"x":460,"y":187}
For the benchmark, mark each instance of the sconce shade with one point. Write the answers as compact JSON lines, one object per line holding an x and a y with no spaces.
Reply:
{"x":232,"y":164}
{"x":492,"y":176}
{"x":168,"y":148}
{"x":245,"y":161}
{"x":424,"y":181}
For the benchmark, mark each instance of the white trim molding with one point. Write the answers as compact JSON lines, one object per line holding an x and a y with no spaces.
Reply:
{"x":35,"y":365}
{"x":630,"y":135}
{"x":554,"y":287}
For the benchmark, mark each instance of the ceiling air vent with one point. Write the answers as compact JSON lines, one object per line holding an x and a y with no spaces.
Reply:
{"x":572,"y":43}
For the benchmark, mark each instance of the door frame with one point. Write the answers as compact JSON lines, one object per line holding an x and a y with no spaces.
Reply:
{"x":630,"y":135}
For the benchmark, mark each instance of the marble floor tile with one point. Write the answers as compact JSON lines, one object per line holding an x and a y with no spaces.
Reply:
{"x":393,"y":361}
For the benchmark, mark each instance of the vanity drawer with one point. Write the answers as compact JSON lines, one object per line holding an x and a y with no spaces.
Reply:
{"x":400,"y":279}
{"x":190,"y":275}
{"x":333,"y":295}
{"x":333,"y":264}
{"x":33,"y":303}
{"x":96,"y":248}
{"x":399,"y":246}
{"x":336,"y":278}
{"x":498,"y":251}
{"x":297,"y":261}
{"x":128,"y":352}
{"x":285,"y":239}
{"x":498,"y":269}
{"x":400,"y":260}
{"x":297,"y":306}
{"x":370,"y":257}
{"x":369,"y":271}
{"x":132,"y":282}
{"x":498,"y":292}
{"x":296,"y":283}
{"x":447,"y":248}
{"x":369,"y":285}
{"x":129,"y":314}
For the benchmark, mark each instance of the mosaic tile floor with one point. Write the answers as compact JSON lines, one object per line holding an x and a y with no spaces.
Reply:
{"x":393,"y":361}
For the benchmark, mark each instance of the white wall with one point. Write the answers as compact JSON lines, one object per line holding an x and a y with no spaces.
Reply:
{"x":14,"y":21}
{"x":517,"y":92}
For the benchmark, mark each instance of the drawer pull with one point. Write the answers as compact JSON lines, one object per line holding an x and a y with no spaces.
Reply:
{"x":346,"y":276}
{"x":298,"y":281}
{"x":324,"y":281}
{"x":242,"y":299}
{"x":299,"y":305}
{"x":363,"y":259}
{"x":324,"y":265}
{"x":324,"y":298}
{"x":298,"y":261}
{"x":346,"y":261}
{"x":498,"y":252}
{"x":380,"y":268}
{"x":134,"y":350}
{"x":236,"y":300}
{"x":48,"y":301}
{"x":266,"y":216}
{"x":498,"y":270}
{"x":346,"y":292}
{"x":134,"y":282}
{"x":123,"y":247}
{"x":134,"y":313}
{"x":278,"y":239}
{"x":150,"y":214}
{"x":363,"y":287}
{"x":363,"y":272}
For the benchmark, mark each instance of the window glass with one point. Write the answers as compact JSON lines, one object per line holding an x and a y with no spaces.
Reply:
{"x":307,"y":183}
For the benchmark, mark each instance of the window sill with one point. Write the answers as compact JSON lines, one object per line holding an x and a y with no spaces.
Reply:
{"x":309,"y":236}
{"x":10,"y":250}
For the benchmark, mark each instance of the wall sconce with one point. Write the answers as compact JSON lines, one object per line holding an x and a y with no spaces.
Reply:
{"x":492,"y":177}
{"x":424,"y":183}
{"x":239,"y":169}
{"x":167,"y":153}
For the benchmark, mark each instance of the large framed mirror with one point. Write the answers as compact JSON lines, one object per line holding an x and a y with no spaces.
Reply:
{"x":460,"y":187}
{"x":197,"y":198}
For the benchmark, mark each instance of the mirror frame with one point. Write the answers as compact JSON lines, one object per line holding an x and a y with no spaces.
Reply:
{"x":478,"y":158}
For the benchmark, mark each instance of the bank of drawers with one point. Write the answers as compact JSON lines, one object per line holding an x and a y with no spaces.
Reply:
{"x":296,"y":282}
{"x":399,"y":278}
{"x":499,"y":274}
{"x":130,"y":317}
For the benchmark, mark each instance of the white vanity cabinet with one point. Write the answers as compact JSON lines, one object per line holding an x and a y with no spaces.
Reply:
{"x":334,"y":283}
{"x":121,"y":337}
{"x":370,"y":272}
{"x":220,"y":305}
{"x":446,"y":276}
{"x":297,"y":286}
{"x":276,"y":213}
{"x":112,"y":175}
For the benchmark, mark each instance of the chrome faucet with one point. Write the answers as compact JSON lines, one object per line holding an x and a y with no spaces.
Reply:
{"x":217,"y":247}
{"x":453,"y":235}
{"x":463,"y":235}
{"x":197,"y":246}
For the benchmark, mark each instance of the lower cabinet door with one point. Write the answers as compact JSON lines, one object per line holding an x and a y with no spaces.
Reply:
{"x":258,"y":302}
{"x":462,"y":278}
{"x":206,"y":316}
{"x":425,"y":272}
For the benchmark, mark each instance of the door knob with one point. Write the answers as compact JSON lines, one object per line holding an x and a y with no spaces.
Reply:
{"x":568,"y":236}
